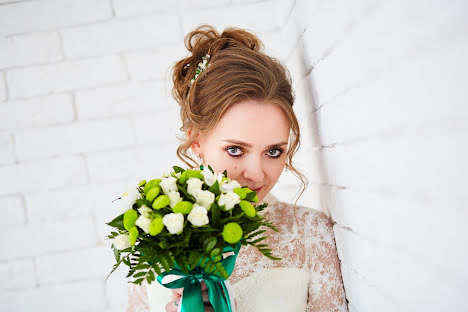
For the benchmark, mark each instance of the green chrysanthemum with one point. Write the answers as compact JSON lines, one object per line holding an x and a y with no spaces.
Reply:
{"x":156,"y":226}
{"x":247,"y":208}
{"x":189,"y":174}
{"x":161,"y":202}
{"x":152,"y":193}
{"x":183,"y":207}
{"x":232,"y":232}
{"x":129,"y":218}
{"x":151,"y":184}
{"x":133,"y":235}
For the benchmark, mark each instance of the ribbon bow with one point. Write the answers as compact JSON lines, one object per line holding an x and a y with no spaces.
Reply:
{"x":192,"y":296}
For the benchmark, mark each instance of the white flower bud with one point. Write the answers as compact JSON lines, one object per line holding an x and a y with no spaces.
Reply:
{"x":194,"y":185}
{"x":230,"y":199}
{"x":227,"y":186}
{"x":168,"y":172}
{"x":208,"y":176}
{"x":198,"y":216}
{"x":168,"y":184}
{"x":143,"y":223}
{"x":121,"y":241}
{"x":174,"y":222}
{"x":205,"y":198}
{"x":174,"y":197}
{"x":145,"y":211}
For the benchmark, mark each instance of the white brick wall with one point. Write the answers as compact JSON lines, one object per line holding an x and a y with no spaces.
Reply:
{"x":85,"y":109}
{"x":385,"y":81}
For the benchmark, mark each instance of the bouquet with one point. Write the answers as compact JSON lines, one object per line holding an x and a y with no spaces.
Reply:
{"x":182,"y":224}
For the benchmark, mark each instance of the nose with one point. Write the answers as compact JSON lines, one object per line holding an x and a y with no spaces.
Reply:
{"x":253,"y":170}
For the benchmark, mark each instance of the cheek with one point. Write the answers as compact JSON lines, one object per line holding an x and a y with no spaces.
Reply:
{"x":275,"y":169}
{"x":219,"y":161}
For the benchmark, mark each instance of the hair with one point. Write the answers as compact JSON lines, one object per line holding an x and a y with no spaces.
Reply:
{"x":238,"y":70}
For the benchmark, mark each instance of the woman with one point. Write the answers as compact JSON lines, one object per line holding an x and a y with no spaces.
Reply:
{"x":237,"y":113}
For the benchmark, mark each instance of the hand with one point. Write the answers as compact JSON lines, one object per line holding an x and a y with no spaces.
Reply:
{"x":177,"y":294}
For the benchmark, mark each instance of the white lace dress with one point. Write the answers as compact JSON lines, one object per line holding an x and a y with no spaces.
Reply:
{"x":308,"y":278}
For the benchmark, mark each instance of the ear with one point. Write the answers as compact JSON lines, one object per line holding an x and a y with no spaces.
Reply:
{"x":195,"y":146}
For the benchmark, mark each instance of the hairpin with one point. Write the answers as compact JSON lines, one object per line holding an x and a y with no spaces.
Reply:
{"x":201,"y":67}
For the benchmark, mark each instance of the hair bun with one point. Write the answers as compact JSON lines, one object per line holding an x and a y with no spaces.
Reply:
{"x":205,"y":39}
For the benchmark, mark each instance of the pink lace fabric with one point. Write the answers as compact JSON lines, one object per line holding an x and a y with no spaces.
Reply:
{"x":308,"y":244}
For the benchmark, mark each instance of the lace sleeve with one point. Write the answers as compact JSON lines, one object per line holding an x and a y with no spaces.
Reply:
{"x":137,"y":298}
{"x":326,"y":291}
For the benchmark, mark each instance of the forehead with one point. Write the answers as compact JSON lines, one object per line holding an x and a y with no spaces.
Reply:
{"x":260,"y":123}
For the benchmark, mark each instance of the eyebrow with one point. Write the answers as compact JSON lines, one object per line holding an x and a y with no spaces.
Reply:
{"x":249,"y":145}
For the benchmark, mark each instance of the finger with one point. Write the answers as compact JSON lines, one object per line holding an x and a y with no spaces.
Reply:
{"x":205,"y":296}
{"x":177,"y":293}
{"x":171,"y":307}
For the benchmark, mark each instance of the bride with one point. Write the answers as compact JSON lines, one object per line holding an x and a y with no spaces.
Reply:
{"x":237,"y":112}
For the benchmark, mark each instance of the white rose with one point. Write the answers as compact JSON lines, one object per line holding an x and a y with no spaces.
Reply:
{"x":145,"y":211}
{"x":219,"y":177}
{"x":121,"y":241}
{"x":168,"y":184}
{"x":198,"y":216}
{"x":205,"y":198}
{"x":227,"y":186}
{"x":174,"y":197}
{"x":127,"y":199}
{"x":143,"y":223}
{"x":178,"y":174}
{"x":194,"y":185}
{"x":230,"y":199}
{"x":174,"y":222}
{"x":209,"y":177}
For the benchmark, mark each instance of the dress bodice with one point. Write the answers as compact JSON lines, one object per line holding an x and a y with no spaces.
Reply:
{"x":307,"y":278}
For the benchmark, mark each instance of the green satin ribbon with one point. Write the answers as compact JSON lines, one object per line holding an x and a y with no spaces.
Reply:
{"x":192,"y":296}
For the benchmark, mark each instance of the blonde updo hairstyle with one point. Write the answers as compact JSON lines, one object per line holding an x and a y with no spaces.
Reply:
{"x":238,"y":70}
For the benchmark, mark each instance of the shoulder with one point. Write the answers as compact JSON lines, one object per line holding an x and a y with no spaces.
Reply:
{"x":305,"y":214}
{"x":308,"y":220}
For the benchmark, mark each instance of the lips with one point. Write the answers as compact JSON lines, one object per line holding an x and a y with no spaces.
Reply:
{"x":258,"y":189}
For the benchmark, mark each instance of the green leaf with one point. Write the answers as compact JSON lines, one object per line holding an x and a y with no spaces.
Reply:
{"x":215,"y":188}
{"x":151,"y":276}
{"x":184,"y":190}
{"x":234,"y":218}
{"x":117,"y":223}
{"x":178,"y":169}
{"x":116,"y":253}
{"x":138,"y":281}
{"x":215,"y":213}
{"x":139,"y":274}
{"x":209,"y":244}
{"x":250,"y":196}
{"x":143,"y":202}
{"x":225,"y":173}
{"x":113,"y":269}
{"x":214,"y":252}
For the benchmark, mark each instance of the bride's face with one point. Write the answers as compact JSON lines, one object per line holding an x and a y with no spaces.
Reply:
{"x":250,"y":142}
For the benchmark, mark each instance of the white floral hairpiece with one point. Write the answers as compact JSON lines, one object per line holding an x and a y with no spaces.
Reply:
{"x":201,"y":67}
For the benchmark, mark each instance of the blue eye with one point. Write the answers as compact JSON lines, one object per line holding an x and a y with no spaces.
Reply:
{"x":278,"y":154}
{"x":232,"y":152}
{"x":235,"y":148}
